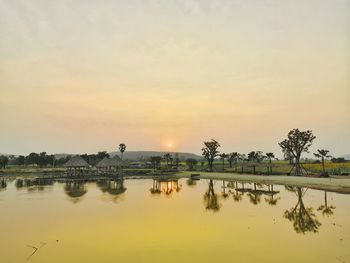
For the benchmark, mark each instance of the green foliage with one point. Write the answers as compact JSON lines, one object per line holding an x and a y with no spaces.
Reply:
{"x":210,"y":151}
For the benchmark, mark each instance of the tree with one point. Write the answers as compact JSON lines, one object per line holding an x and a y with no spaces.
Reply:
{"x":167,"y":158}
{"x":191,"y":162}
{"x":20,"y":160}
{"x":233,"y":158}
{"x":296,"y":143}
{"x":155,"y":160}
{"x":223,"y":156}
{"x":176,"y":160}
{"x":122,"y":148}
{"x":255,"y":157}
{"x":270,"y":156}
{"x":3,"y":161}
{"x":323,"y":154}
{"x":326,"y":209}
{"x":210,"y":151}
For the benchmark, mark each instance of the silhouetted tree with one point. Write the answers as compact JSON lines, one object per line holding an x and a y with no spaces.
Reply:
{"x":255,"y":157}
{"x":223,"y":156}
{"x":323,"y":154}
{"x":270,"y":156}
{"x":296,"y":143}
{"x":155,"y":160}
{"x":210,"y":151}
{"x":3,"y":161}
{"x":122,"y":148}
{"x":167,"y":158}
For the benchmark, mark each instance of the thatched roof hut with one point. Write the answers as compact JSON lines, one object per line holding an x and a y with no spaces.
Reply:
{"x":110,"y":162}
{"x":76,"y":162}
{"x":103,"y":163}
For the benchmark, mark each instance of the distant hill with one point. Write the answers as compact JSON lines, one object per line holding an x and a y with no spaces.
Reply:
{"x":143,"y":155}
{"x":347,"y":156}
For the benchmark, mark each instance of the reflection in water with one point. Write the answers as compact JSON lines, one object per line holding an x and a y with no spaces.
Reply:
{"x":224,"y":193}
{"x":191,"y":182}
{"x":75,"y":190}
{"x":37,"y":184}
{"x":211,"y":199}
{"x":166,"y":186}
{"x":270,"y":199}
{"x":326,"y":209}
{"x":114,"y":187}
{"x":3,"y":184}
{"x":303,"y":218}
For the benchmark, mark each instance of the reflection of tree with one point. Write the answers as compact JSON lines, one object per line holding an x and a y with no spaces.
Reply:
{"x":75,"y":190}
{"x":191,"y":182}
{"x":211,"y":199}
{"x":237,"y":195}
{"x":113,"y":187}
{"x":304,"y":220}
{"x":166,"y":186}
{"x":254,"y":195}
{"x":270,"y":196}
{"x":37,"y":184}
{"x":326,"y":209}
{"x":224,"y":193}
{"x":3,"y":184}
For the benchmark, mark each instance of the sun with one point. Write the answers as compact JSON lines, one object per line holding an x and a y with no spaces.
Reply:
{"x":169,"y":145}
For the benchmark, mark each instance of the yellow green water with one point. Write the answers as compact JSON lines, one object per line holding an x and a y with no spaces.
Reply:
{"x":148,"y":221}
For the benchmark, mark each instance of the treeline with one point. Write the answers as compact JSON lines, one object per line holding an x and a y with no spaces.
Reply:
{"x":47,"y":160}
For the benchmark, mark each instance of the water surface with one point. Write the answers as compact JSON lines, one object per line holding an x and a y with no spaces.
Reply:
{"x":144,"y":220}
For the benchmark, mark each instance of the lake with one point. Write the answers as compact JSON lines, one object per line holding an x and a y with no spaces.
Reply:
{"x":145,"y":220}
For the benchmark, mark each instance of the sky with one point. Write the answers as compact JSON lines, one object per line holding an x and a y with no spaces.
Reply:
{"x":82,"y":76}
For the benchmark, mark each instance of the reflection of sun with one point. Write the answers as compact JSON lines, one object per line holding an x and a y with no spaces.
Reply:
{"x":170,"y":144}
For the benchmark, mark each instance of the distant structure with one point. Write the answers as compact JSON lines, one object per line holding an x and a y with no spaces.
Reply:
{"x":110,"y":165}
{"x":76,"y":166}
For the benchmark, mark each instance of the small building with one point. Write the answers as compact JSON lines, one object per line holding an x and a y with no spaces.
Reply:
{"x":76,"y":166}
{"x":110,"y":164}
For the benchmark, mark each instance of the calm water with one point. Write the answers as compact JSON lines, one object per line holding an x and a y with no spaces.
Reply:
{"x":175,"y":221}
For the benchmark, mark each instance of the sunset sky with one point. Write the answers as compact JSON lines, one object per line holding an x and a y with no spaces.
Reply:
{"x":83,"y":76}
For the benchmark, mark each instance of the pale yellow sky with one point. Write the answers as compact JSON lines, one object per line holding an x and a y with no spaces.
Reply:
{"x":82,"y":76}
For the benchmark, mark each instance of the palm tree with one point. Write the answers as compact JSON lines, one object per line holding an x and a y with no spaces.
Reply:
{"x":270,"y":156}
{"x":233,"y":157}
{"x":167,"y":158}
{"x":122,"y":148}
{"x":323,"y":154}
{"x":223,"y":156}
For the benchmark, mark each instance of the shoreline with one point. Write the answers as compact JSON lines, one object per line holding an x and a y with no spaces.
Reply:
{"x":331,"y":184}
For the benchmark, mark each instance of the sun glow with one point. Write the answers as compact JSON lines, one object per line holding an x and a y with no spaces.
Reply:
{"x":169,"y":145}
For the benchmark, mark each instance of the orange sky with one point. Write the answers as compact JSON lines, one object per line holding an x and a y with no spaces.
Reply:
{"x":83,"y":76}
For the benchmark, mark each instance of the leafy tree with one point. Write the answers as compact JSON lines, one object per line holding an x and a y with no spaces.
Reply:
{"x":296,"y":143}
{"x":33,"y":158}
{"x":122,"y":148}
{"x":210,"y":151}
{"x":3,"y":161}
{"x":155,"y":160}
{"x":223,"y":156}
{"x":323,"y":154}
{"x":233,"y":158}
{"x":191,"y":162}
{"x":255,"y":157}
{"x":20,"y":160}
{"x":167,"y":158}
{"x":102,"y":155}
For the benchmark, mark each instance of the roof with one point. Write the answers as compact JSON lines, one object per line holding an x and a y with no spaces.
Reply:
{"x":107,"y":162}
{"x":76,"y":161}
